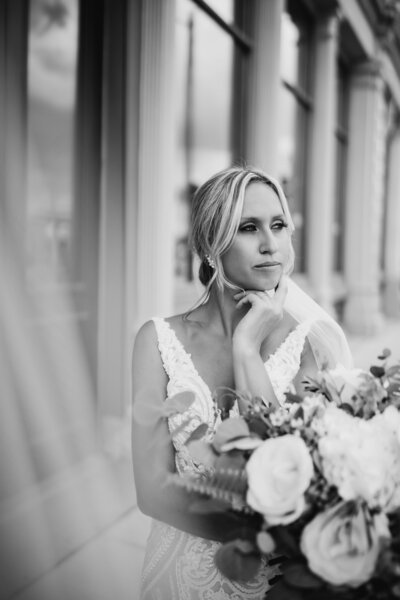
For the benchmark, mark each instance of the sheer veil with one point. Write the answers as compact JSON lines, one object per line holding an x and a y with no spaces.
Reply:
{"x":326,"y":337}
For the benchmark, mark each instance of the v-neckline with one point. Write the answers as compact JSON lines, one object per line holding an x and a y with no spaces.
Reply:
{"x":188,"y":355}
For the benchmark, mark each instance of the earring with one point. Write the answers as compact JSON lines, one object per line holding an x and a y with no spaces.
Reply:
{"x":210,"y":261}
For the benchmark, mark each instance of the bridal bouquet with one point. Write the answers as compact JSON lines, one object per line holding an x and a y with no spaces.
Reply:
{"x":323,"y":476}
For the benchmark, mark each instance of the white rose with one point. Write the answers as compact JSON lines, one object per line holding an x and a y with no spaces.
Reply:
{"x":342,"y":544}
{"x":279,"y":472}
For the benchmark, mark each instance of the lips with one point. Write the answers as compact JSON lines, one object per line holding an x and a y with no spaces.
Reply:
{"x":267,"y":264}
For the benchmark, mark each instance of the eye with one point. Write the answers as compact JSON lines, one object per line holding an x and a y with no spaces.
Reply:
{"x":248,"y":227}
{"x":279,"y":225}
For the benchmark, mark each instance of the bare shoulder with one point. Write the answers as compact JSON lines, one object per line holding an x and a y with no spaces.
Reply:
{"x":147,"y":367}
{"x":146,"y":336}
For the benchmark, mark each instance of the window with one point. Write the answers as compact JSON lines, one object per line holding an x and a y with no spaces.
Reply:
{"x":204,"y":74}
{"x":295,"y":105}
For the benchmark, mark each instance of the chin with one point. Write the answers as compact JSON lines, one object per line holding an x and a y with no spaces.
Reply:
{"x":266,"y":284}
{"x":259,"y":286}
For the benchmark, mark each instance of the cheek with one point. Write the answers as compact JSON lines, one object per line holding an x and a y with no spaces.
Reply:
{"x":285,"y":247}
{"x":233,"y":260}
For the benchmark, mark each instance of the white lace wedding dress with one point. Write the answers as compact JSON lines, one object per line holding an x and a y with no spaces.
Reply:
{"x":177,"y":565}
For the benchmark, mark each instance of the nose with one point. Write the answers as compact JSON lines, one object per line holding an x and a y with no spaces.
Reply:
{"x":268,"y":243}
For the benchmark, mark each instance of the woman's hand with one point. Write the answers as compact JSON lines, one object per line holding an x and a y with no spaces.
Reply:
{"x":264,"y":314}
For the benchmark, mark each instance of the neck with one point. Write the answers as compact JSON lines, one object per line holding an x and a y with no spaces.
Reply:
{"x":221,"y":310}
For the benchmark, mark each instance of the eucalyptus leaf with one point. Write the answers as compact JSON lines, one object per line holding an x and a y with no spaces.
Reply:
{"x":377,"y":371}
{"x":257,"y":426}
{"x":233,"y":428}
{"x":243,"y":443}
{"x":198,"y":433}
{"x":178,"y":403}
{"x":236,"y":564}
{"x":392,"y":388}
{"x":299,"y":575}
{"x":392,"y":370}
{"x":347,"y":408}
{"x":202,"y":453}
{"x":293,"y":398}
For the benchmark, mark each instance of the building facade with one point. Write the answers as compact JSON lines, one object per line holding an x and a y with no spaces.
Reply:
{"x":112,"y":113}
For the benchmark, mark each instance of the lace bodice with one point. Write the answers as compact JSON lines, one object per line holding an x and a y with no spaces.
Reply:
{"x":179,"y":565}
{"x":182,"y":376}
{"x":282,"y":367}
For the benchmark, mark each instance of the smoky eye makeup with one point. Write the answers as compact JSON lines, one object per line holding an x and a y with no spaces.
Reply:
{"x":279,"y":223}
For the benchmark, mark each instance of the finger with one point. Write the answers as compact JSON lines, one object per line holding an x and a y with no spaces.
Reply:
{"x":248,"y":298}
{"x":243,"y":301}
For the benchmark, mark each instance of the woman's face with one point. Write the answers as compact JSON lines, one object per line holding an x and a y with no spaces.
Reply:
{"x":260,"y":249}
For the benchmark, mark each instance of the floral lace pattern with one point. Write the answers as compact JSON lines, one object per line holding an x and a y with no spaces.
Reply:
{"x":177,"y":565}
{"x":283,"y":366}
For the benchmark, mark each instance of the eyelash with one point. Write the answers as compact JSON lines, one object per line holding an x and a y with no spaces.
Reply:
{"x":246,"y":226}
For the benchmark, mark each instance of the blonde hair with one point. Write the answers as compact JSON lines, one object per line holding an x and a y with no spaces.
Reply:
{"x":216,"y":211}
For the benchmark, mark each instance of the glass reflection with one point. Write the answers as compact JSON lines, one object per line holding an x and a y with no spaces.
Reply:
{"x":52,"y":55}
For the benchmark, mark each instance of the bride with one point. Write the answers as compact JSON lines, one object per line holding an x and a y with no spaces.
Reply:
{"x":253,"y":330}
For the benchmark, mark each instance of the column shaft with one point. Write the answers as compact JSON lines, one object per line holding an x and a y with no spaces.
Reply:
{"x":364,"y":200}
{"x":391,"y":295}
{"x":155,"y":239}
{"x":320,"y":202}
{"x":264,"y":85}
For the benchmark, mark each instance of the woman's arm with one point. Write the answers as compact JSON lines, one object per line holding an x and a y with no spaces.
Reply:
{"x":154,"y":455}
{"x":264,"y":314}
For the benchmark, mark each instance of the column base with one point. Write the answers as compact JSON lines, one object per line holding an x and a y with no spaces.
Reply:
{"x":362,"y":314}
{"x":391,"y":299}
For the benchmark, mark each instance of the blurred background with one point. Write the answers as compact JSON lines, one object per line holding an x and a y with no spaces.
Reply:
{"x":112,"y":112}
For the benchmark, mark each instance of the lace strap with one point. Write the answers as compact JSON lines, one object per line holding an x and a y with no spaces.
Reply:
{"x":173,"y":355}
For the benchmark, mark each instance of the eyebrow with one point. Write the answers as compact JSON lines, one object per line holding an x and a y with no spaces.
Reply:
{"x":257,"y":219}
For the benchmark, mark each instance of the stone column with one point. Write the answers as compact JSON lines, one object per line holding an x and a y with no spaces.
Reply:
{"x":321,"y":174}
{"x":154,"y":218}
{"x":391,"y":294}
{"x":364,"y":189}
{"x":264,"y":85}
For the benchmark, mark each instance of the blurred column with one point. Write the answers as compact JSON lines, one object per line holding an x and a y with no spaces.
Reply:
{"x":155,"y":235}
{"x":264,"y":84}
{"x":391,"y":295}
{"x":112,"y":323}
{"x":320,"y":207}
{"x":132,"y":120}
{"x":364,"y":199}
